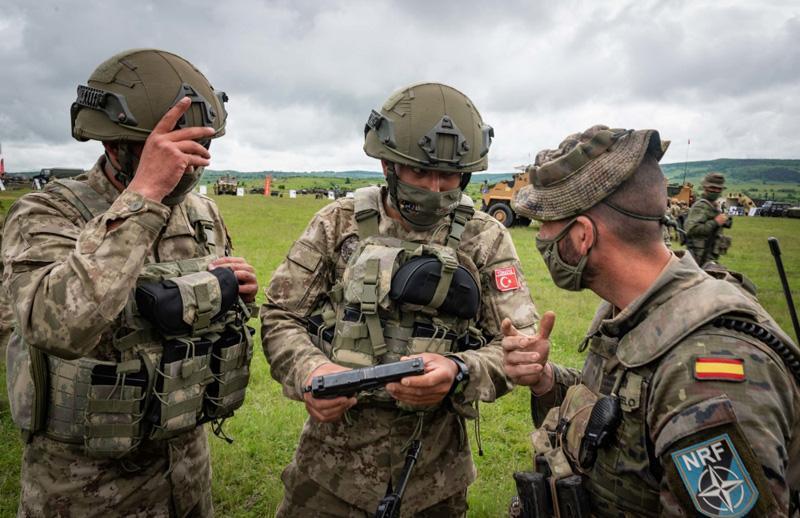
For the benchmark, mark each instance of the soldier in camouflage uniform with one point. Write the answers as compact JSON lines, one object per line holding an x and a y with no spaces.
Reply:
{"x":6,"y":316}
{"x":704,"y":223}
{"x":429,"y":137}
{"x":73,"y":255}
{"x":689,"y":400}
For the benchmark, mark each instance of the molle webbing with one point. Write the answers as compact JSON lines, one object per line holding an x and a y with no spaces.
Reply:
{"x":369,"y":307}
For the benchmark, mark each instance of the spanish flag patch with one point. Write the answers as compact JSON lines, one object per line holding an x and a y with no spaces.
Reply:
{"x":715,"y":368}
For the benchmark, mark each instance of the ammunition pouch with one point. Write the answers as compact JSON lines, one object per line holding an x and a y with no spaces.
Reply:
{"x":115,"y":408}
{"x":181,"y":305}
{"x":181,"y":379}
{"x":230,"y":370}
{"x":542,"y":496}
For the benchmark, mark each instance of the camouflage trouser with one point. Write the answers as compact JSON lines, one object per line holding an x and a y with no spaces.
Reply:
{"x":304,"y":498}
{"x":166,"y":479}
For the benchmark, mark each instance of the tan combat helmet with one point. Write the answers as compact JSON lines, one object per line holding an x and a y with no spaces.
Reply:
{"x":128,"y":94}
{"x":429,"y":126}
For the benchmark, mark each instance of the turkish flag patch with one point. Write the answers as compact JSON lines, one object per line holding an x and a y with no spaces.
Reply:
{"x":506,"y":279}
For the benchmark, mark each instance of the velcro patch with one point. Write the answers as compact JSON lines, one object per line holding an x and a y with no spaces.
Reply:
{"x":716,"y":478}
{"x":715,"y":368}
{"x":506,"y":279}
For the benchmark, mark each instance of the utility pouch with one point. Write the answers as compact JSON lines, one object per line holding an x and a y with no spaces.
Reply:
{"x":181,"y":380}
{"x":576,"y":409}
{"x":230,"y":368}
{"x":722,"y":244}
{"x":115,"y":407}
{"x":417,"y":282}
{"x":181,"y":305}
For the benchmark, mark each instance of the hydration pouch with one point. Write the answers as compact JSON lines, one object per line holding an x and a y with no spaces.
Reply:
{"x":115,"y":407}
{"x":180,"y":305}
{"x":416,"y":281}
{"x":230,"y":369}
{"x":181,"y":380}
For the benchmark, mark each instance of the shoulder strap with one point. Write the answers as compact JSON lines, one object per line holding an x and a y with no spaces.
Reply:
{"x":367,"y":211}
{"x":81,"y":196}
{"x":461,"y":216}
{"x":201,"y":218}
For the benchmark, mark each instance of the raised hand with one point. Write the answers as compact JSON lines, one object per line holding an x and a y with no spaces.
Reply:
{"x":169,"y":153}
{"x":525,"y":357}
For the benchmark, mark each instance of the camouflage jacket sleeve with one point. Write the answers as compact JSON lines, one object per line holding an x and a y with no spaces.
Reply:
{"x":756,"y":418}
{"x":700,"y":221}
{"x":563,"y":379}
{"x":495,"y":256}
{"x":68,"y":282}
{"x":297,"y":285}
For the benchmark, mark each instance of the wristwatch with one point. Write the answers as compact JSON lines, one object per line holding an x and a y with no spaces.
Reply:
{"x":462,"y":376}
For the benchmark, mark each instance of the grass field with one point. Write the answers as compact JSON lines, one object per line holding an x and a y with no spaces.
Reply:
{"x":247,"y":472}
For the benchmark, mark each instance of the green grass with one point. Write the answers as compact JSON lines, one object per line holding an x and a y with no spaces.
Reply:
{"x":247,"y":472}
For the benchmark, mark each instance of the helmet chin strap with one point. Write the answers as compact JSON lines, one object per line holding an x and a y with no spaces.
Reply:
{"x":128,"y":162}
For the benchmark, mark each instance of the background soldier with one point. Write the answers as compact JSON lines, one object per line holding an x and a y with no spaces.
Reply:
{"x":704,"y":223}
{"x":694,"y":406}
{"x":429,"y":138}
{"x":85,"y":363}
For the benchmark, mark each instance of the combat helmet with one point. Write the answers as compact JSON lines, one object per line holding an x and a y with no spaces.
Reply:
{"x":429,"y":126}
{"x":127,"y":95}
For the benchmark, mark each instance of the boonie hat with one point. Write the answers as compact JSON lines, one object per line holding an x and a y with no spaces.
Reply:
{"x":714,"y":180}
{"x":584,"y":169}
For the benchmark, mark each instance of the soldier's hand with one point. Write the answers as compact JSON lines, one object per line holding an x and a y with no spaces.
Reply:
{"x":721,"y":219}
{"x":245,"y":274}
{"x":525,"y":357}
{"x":327,"y":410}
{"x":169,"y":153}
{"x":429,"y":388}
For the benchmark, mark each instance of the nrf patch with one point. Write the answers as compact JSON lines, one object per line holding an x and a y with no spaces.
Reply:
{"x":715,"y":478}
{"x":506,"y":279}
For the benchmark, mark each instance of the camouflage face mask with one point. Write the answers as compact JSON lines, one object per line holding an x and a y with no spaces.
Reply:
{"x":421,"y":208}
{"x":711,"y":196}
{"x":185,"y":185}
{"x":564,"y":275}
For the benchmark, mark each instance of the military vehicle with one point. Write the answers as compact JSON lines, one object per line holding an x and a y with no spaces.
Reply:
{"x":681,"y":193}
{"x":497,"y":200}
{"x":226,"y":184}
{"x":739,"y":200}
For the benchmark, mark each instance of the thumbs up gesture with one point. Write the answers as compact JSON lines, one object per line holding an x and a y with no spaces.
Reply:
{"x":525,"y":357}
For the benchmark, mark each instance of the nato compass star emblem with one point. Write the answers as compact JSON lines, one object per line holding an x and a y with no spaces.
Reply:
{"x":716,"y":478}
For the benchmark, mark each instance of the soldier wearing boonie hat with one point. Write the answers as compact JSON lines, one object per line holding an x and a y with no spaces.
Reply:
{"x":685,"y":404}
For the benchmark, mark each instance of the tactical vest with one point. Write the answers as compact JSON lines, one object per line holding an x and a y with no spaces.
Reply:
{"x":379,"y":311}
{"x":183,"y":354}
{"x":721,"y":242}
{"x":625,"y":475}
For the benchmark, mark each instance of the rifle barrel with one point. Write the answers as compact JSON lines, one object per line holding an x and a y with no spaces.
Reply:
{"x":775,"y":248}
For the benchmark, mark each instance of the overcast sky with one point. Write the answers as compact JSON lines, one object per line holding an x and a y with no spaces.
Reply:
{"x":302,"y":76}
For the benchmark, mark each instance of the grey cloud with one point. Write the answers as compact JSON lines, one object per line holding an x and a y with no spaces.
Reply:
{"x":303,"y":75}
